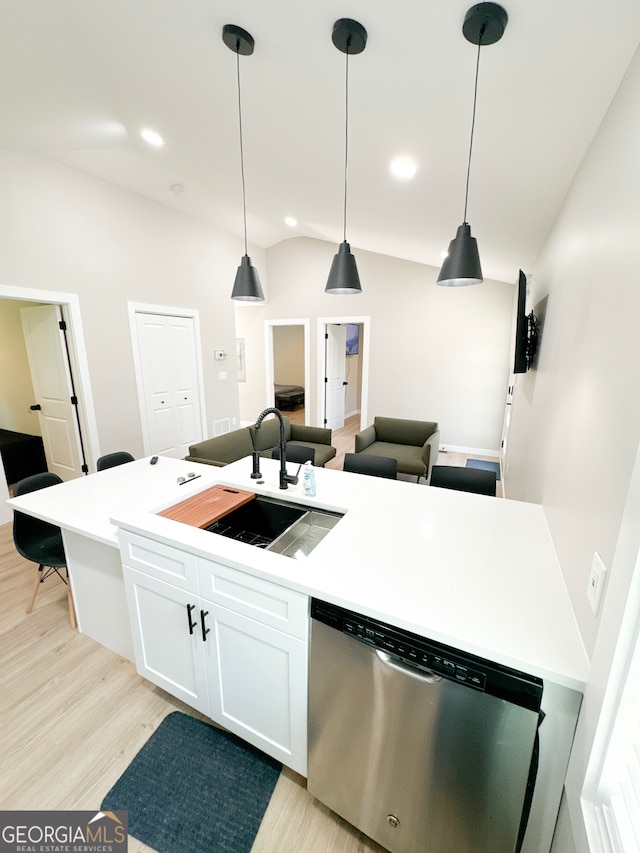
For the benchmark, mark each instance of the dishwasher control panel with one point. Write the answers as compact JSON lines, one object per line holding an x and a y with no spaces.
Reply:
{"x":466,"y":669}
{"x":394,"y":643}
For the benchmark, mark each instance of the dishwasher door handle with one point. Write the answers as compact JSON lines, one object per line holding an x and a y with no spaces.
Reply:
{"x":424,"y":675}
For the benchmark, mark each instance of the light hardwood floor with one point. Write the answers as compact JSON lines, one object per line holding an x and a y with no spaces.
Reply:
{"x":73,"y":715}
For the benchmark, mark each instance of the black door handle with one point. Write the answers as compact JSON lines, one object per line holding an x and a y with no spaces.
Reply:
{"x":192,"y":625}
{"x":36,"y":408}
{"x":205,"y":630}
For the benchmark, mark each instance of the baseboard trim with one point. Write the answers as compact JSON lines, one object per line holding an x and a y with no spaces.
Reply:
{"x":469,"y":451}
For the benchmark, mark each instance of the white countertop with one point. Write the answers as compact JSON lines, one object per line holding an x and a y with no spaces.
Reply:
{"x":475,"y":572}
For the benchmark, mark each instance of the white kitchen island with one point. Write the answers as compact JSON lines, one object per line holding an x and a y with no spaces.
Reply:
{"x":477,"y":573}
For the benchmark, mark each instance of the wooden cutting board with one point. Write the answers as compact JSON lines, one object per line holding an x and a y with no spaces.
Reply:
{"x":208,"y":506}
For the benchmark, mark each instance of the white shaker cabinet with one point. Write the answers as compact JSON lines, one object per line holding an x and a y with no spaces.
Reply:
{"x":233,"y":646}
{"x":167,"y":639}
{"x":258,"y":685}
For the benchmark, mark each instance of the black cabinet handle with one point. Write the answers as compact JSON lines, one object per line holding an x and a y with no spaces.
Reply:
{"x":36,"y":408}
{"x":205,"y":630}
{"x":192,"y":625}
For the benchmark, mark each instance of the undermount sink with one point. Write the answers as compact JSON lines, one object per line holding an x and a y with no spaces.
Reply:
{"x":284,"y":528}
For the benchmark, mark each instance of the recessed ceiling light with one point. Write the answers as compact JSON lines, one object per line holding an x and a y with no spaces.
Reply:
{"x":403,"y":168}
{"x":152,"y":137}
{"x":290,"y":221}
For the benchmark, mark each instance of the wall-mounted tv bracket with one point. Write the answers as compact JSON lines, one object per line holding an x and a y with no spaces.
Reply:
{"x":532,"y":338}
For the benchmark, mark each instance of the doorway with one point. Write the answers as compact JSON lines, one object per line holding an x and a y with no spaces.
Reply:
{"x":343,"y":368}
{"x":54,"y":402}
{"x":69,"y":305}
{"x":288,"y":354}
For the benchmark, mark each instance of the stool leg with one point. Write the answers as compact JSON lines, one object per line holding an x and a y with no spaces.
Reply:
{"x":35,"y":590}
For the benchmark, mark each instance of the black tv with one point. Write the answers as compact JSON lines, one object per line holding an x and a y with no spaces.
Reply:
{"x":526,"y":330}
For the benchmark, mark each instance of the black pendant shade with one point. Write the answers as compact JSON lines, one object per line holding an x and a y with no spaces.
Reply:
{"x":343,"y":275}
{"x":350,"y":37}
{"x":462,"y":265}
{"x":484,"y":24}
{"x":246,"y":287}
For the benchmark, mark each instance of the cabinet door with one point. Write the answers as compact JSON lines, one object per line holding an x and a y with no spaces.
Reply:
{"x":167,"y":637}
{"x":258,"y":685}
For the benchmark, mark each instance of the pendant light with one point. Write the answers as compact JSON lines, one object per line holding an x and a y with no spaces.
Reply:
{"x":350,"y":37}
{"x":246,"y":287}
{"x":484,"y":24}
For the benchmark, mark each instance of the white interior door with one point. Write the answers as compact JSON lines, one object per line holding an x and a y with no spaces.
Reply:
{"x":168,"y":359}
{"x":51,"y":377}
{"x":335,"y":379}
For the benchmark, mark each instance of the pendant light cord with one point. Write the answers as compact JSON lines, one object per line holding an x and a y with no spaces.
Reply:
{"x":346,"y":140}
{"x":473,"y":124}
{"x":244,"y":200}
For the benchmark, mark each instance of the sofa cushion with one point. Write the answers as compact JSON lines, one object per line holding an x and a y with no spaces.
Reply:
{"x":269,"y":433}
{"x":402,"y":431}
{"x":235,"y":445}
{"x":324,"y":452}
{"x":409,"y":457}
{"x":297,"y":435}
{"x":223,"y":449}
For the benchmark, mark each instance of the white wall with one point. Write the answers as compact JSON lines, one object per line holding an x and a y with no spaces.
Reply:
{"x":575,"y":424}
{"x":436,"y":353}
{"x":288,"y":355}
{"x":65,"y":231}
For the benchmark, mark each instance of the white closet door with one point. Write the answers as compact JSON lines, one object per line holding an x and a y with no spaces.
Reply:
{"x":169,"y":383}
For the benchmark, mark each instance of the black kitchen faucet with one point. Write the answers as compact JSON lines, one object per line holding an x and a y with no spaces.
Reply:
{"x":285,"y":478}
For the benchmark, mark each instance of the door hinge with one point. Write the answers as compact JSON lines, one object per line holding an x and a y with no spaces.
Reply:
{"x":74,"y":400}
{"x":325,"y":421}
{"x":62,"y":325}
{"x":326,"y":379}
{"x":326,"y":336}
{"x":85,"y":468}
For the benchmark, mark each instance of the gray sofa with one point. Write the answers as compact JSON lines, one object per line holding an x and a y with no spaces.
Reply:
{"x":235,"y":445}
{"x":414,"y":444}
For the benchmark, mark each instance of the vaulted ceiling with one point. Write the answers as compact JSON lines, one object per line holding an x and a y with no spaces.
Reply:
{"x":81,"y":78}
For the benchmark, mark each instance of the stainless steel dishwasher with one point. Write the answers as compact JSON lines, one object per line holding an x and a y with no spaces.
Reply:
{"x":422,"y":747}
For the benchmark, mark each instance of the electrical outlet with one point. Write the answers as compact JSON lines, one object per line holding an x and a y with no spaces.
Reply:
{"x":596,"y":582}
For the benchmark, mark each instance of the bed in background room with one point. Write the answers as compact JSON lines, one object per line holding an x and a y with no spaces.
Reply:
{"x":288,"y":396}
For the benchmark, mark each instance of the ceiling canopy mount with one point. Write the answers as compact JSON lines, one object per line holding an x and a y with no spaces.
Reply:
{"x":238,"y":40}
{"x":349,"y":36}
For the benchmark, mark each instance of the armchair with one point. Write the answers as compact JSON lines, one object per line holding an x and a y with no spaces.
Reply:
{"x":414,"y":444}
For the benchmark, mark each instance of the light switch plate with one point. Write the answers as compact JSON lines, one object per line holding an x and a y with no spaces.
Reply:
{"x":596,"y":582}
